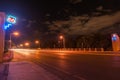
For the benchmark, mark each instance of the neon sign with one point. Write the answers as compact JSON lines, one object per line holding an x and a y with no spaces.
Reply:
{"x":7,"y":26}
{"x":11,"y":19}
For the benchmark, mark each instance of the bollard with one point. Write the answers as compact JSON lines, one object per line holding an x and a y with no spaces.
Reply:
{"x":89,"y":49}
{"x":84,"y":49}
{"x":102,"y":49}
{"x":95,"y":49}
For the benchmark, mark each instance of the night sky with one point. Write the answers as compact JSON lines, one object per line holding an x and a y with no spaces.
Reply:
{"x":38,"y":19}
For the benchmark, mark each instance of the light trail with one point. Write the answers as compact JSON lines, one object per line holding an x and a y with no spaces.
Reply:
{"x":24,"y":51}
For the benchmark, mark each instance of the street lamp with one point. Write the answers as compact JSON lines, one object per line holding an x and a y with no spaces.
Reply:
{"x":21,"y":45}
{"x":37,"y":42}
{"x":27,"y":44}
{"x":63,"y":40}
{"x":15,"y":34}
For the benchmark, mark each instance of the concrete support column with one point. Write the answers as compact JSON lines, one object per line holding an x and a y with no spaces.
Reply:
{"x":115,"y":42}
{"x":2,"y":34}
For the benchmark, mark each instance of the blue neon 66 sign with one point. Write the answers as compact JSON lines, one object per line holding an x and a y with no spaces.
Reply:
{"x":10,"y":20}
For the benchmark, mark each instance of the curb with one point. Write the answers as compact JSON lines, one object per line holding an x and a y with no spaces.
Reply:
{"x":4,"y":70}
{"x":8,"y":56}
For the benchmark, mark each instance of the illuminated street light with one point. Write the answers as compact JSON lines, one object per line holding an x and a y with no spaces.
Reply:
{"x":21,"y":45}
{"x":63,"y":40}
{"x":37,"y":42}
{"x":61,"y":37}
{"x":15,"y":34}
{"x":27,"y":44}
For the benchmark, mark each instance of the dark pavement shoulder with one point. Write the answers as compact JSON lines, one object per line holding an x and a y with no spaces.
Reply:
{"x":28,"y":71}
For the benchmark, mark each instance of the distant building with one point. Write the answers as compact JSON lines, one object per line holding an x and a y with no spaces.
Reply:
{"x":115,"y":42}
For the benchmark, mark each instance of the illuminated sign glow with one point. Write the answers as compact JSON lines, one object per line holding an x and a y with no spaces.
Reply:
{"x":114,"y":37}
{"x":7,"y":26}
{"x":11,"y":19}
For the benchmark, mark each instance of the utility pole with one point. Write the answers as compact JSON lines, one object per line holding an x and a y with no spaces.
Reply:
{"x":2,"y":35}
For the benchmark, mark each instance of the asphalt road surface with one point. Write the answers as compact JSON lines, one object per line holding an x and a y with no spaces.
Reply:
{"x":74,"y":65}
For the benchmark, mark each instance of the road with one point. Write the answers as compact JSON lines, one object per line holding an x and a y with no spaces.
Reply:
{"x":74,"y":65}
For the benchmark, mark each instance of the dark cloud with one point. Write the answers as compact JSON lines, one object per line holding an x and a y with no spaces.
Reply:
{"x":30,"y":22}
{"x":100,"y":8}
{"x":93,"y":24}
{"x":75,"y":1}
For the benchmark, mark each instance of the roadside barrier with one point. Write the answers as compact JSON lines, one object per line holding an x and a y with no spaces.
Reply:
{"x":77,"y":49}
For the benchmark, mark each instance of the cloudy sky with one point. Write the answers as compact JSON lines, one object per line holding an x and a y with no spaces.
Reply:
{"x":70,"y":17}
{"x":85,"y":24}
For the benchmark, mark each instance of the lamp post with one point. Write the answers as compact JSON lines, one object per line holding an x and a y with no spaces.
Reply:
{"x":63,"y":40}
{"x":15,"y":34}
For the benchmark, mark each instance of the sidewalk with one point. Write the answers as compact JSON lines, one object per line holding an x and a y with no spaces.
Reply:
{"x":28,"y":71}
{"x":23,"y":70}
{"x":3,"y":71}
